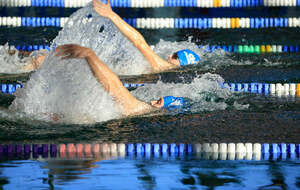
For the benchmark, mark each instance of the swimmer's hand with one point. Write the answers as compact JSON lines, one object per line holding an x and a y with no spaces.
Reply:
{"x":70,"y":51}
{"x":102,"y":8}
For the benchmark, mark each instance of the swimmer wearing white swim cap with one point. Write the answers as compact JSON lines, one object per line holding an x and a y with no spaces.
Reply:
{"x":127,"y":103}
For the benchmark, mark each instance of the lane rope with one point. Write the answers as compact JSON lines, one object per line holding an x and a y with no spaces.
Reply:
{"x":279,"y":89}
{"x":153,"y":3}
{"x":223,"y":151}
{"x":288,"y":89}
{"x":165,"y":23}
{"x":242,"y":49}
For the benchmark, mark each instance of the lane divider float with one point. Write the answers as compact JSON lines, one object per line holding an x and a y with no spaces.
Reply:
{"x":152,"y":3}
{"x":242,"y":49}
{"x":165,"y":23}
{"x":223,"y":151}
{"x":10,"y":88}
{"x":287,"y":89}
{"x":253,"y":49}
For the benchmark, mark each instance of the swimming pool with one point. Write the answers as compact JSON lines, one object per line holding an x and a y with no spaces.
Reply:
{"x":215,"y":115}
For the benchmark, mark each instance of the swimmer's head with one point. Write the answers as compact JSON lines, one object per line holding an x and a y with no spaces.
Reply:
{"x":168,"y":101}
{"x":184,"y":57}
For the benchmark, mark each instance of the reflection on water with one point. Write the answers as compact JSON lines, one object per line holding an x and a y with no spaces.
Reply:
{"x":90,"y":170}
{"x":277,"y":177}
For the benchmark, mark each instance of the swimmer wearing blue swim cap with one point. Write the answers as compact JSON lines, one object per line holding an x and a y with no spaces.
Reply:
{"x":168,"y":102}
{"x":157,"y":63}
{"x":128,"y":105}
{"x":184,"y":57}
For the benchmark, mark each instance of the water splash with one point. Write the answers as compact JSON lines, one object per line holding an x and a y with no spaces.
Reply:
{"x":11,"y":63}
{"x":209,"y":60}
{"x":87,"y":28}
{"x":55,"y":93}
{"x":204,"y":92}
{"x":65,"y":91}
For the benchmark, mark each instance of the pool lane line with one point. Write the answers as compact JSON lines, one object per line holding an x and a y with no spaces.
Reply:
{"x":165,"y":23}
{"x":287,"y":89}
{"x":222,"y":151}
{"x":252,"y":49}
{"x":153,"y":3}
{"x":241,"y":49}
{"x":10,"y":88}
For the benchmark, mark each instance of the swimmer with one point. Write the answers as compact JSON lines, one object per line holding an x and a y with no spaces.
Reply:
{"x":35,"y":62}
{"x":127,"y":103}
{"x":175,"y":60}
{"x":36,"y":58}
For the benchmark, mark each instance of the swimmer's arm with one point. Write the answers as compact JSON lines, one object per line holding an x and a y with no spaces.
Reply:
{"x":114,"y":86}
{"x":104,"y":75}
{"x":156,"y":62}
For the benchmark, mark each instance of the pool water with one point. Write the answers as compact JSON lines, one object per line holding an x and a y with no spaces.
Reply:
{"x":121,"y":171}
{"x":214,"y":117}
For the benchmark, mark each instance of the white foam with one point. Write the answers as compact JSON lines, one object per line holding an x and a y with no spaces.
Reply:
{"x":87,"y":28}
{"x":115,"y":50}
{"x":204,"y":92}
{"x":68,"y":89}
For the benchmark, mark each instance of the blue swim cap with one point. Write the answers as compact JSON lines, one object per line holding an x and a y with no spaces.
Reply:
{"x":170,"y":101}
{"x":187,"y":57}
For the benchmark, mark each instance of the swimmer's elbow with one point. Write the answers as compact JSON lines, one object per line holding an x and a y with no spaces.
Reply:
{"x":141,"y":43}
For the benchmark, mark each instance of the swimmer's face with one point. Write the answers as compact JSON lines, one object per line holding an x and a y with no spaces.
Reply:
{"x":173,"y":59}
{"x":157,"y":103}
